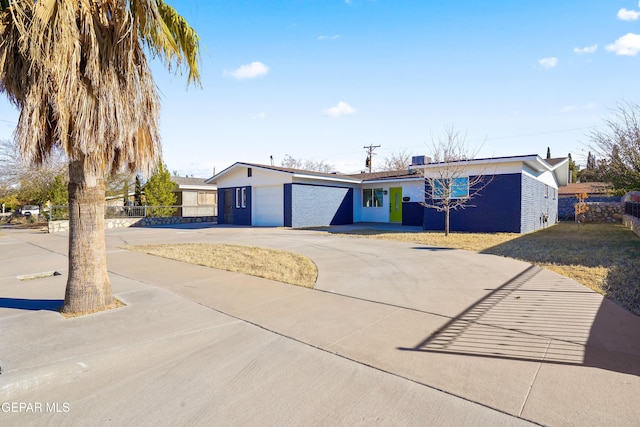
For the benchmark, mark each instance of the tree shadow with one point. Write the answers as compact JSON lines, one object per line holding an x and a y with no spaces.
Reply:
{"x":537,"y":319}
{"x":187,"y":226}
{"x":31,"y":304}
{"x":432,"y":248}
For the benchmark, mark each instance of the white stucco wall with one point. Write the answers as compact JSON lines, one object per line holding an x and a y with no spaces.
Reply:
{"x":412,"y":189}
{"x":546,"y":177}
{"x":259,"y":177}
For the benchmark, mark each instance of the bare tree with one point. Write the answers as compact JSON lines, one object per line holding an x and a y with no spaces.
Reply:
{"x":397,"y":160}
{"x":308,"y":165}
{"x":29,"y":183}
{"x":453,"y":179}
{"x":619,"y":147}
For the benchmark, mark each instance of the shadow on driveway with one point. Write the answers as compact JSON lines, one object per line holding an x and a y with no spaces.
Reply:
{"x":533,"y":318}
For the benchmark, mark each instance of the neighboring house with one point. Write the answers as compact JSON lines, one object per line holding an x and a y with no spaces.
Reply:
{"x":595,"y":191}
{"x":521,"y":197}
{"x":196,"y":197}
{"x":592,"y":189}
{"x":118,"y":200}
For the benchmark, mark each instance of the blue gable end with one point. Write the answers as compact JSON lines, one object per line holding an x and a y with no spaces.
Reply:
{"x":496,"y":209}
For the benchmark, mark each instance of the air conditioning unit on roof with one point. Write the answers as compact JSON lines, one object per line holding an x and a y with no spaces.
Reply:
{"x":417,"y":160}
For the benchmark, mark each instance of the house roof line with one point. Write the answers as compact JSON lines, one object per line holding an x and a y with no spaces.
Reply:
{"x":533,"y":161}
{"x":298,"y":173}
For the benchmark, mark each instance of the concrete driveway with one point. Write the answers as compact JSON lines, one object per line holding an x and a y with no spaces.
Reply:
{"x":394,"y":333}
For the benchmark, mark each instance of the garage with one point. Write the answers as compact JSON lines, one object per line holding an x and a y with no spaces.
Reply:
{"x":268,"y":204}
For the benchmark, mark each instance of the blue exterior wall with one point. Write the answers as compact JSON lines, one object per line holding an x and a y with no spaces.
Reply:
{"x":412,"y":213}
{"x":497,"y":209}
{"x":288,"y":201}
{"x":308,"y":205}
{"x":241,"y":216}
{"x":537,"y":205}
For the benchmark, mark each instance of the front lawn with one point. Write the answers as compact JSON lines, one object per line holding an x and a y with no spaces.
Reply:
{"x":271,"y":264}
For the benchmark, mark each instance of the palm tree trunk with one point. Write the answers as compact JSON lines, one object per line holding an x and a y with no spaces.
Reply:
{"x":88,"y":287}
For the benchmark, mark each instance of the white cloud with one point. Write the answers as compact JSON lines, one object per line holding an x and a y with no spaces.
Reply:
{"x":628,"y":45}
{"x":548,"y":62}
{"x":574,"y":107}
{"x":260,"y":116}
{"x":586,"y":49}
{"x":248,"y":71}
{"x":334,"y":37}
{"x":339,"y":110}
{"x":628,"y":15}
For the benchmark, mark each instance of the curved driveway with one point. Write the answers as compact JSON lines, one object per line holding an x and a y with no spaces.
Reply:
{"x":493,"y":330}
{"x":498,"y":332}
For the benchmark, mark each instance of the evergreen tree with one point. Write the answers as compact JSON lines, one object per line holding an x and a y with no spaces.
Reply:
{"x":573,"y":170}
{"x":58,"y":192}
{"x":548,"y":152}
{"x":138,"y":191}
{"x":158,"y":191}
{"x":125,"y":193}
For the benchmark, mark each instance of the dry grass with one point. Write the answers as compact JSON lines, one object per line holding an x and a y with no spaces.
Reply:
{"x":603,"y":257}
{"x":271,"y":264}
{"x":115,"y":303}
{"x":468,"y":241}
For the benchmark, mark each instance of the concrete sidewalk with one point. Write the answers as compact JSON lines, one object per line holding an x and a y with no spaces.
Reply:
{"x":393,"y":333}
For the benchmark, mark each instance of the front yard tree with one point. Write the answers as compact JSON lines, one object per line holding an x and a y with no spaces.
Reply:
{"x":78,"y":73}
{"x":397,"y":160}
{"x":308,"y":165}
{"x":158,"y":191}
{"x":449,"y":184}
{"x":619,"y":147}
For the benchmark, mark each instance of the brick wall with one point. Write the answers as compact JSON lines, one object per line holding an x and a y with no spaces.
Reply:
{"x":539,"y":205}
{"x":566,"y":210}
{"x":602,"y":212}
{"x":63,"y":225}
{"x":317,"y":205}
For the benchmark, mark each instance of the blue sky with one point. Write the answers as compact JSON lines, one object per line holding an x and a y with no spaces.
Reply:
{"x":321,"y":79}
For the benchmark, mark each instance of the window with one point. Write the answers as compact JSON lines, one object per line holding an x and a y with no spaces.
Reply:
{"x":454,"y":188}
{"x":546,"y":191}
{"x":249,"y":172}
{"x":244,"y":197}
{"x":372,"y":197}
{"x":237,"y":198}
{"x":206,"y":198}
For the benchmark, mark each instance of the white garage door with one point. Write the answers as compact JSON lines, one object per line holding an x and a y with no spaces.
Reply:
{"x":268,"y":206}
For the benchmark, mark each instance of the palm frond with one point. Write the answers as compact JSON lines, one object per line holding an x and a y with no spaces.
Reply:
{"x":168,"y":36}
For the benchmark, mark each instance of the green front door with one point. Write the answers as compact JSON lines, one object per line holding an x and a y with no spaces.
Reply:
{"x":395,"y":204}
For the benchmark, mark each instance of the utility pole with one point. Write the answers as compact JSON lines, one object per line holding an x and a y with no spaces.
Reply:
{"x":370,"y":154}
